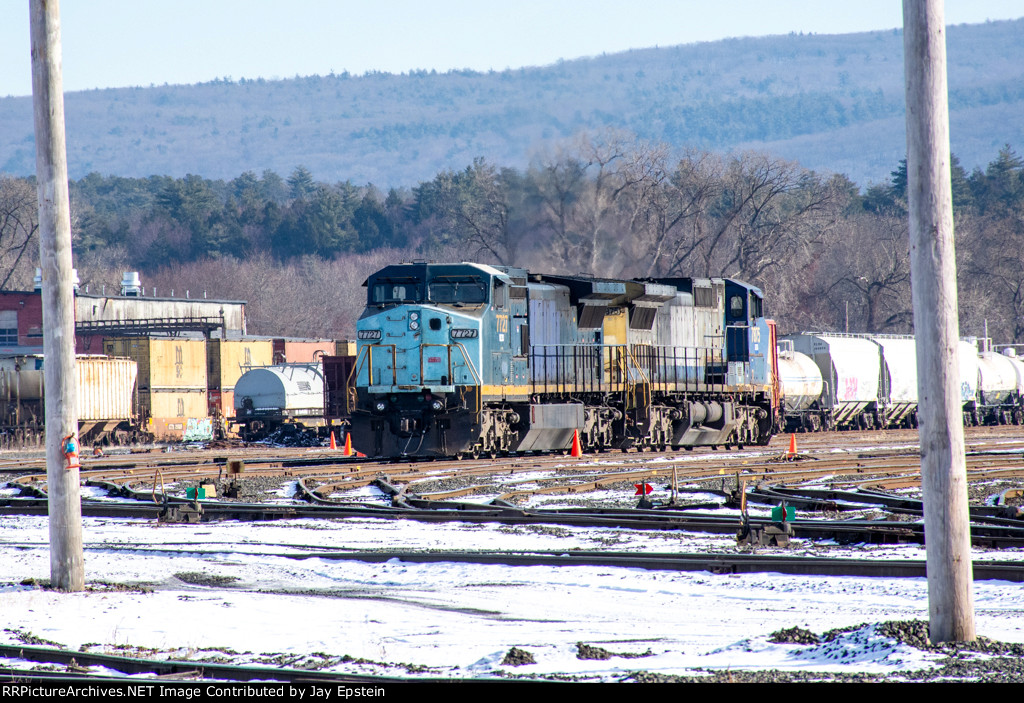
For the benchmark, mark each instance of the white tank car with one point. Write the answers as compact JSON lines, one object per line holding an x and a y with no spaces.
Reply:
{"x":280,"y":392}
{"x":1018,"y":367}
{"x":899,"y":380}
{"x":850,"y":368}
{"x":799,"y":378}
{"x":1017,"y":415}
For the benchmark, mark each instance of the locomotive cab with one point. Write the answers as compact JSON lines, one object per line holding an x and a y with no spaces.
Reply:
{"x":435,"y":338}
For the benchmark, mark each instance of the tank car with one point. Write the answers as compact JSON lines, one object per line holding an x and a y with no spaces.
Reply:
{"x":1017,"y":414}
{"x":267,"y":397}
{"x":465,"y":359}
{"x":801,"y":385}
{"x":998,"y":401}
{"x":969,"y":379}
{"x":991,"y":384}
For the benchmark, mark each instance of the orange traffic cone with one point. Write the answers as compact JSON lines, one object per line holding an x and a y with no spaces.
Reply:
{"x":792,"y":446}
{"x":334,"y":445}
{"x":348,"y":445}
{"x":577,"y":450}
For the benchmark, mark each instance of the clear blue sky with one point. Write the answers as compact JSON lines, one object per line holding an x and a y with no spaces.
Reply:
{"x":111,"y":43}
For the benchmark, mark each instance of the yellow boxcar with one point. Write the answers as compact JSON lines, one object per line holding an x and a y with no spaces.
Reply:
{"x":106,"y":388}
{"x":345,"y":347}
{"x":228,"y":359}
{"x":169,"y":411}
{"x":164,"y":363}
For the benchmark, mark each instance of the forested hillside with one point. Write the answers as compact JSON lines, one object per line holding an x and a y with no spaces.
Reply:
{"x":832,"y":103}
{"x":828,"y":254}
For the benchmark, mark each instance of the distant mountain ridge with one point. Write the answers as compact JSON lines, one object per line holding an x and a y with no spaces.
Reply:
{"x":831,"y":102}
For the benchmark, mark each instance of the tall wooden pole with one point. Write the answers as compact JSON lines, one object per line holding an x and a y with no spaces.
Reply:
{"x":67,"y":569}
{"x":936,"y":327}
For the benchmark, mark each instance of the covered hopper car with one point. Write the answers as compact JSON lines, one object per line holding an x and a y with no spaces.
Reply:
{"x":108,"y":410}
{"x":857,"y":381}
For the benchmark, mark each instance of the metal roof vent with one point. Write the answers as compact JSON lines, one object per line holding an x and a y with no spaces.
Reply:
{"x":131,"y":286}
{"x":37,"y":280}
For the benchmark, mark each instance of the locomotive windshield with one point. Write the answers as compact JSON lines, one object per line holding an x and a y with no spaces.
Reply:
{"x":396,"y":291}
{"x":457,"y":290}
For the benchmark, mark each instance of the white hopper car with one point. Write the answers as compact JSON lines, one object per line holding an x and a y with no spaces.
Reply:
{"x":845,"y":381}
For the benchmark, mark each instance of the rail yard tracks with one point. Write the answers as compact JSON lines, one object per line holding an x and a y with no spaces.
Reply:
{"x":833,"y":482}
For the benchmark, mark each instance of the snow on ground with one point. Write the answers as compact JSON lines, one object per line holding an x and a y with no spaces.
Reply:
{"x":459,"y":620}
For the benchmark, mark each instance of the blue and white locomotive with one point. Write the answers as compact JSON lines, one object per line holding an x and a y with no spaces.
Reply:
{"x":464,"y":359}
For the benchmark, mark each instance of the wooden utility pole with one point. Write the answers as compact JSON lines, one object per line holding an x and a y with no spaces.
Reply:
{"x":936,"y":326}
{"x":67,"y":569}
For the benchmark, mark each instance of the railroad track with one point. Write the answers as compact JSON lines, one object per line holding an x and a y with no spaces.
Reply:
{"x":77,"y":664}
{"x":864,"y":463}
{"x":716,"y":563}
{"x":996,"y":527}
{"x":889,"y":455}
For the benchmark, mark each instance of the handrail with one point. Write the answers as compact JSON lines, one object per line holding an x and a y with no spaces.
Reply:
{"x":365,"y":356}
{"x":350,"y":401}
{"x":473,"y":371}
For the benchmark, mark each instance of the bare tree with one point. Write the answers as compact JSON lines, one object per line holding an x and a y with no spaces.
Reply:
{"x":865,"y":273}
{"x":767,"y":212}
{"x":671,"y":224}
{"x":991,"y":273}
{"x":579,"y":191}
{"x":482,"y":209}
{"x":19,"y":231}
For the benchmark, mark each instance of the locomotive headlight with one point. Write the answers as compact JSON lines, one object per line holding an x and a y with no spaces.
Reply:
{"x":437,"y":405}
{"x":414,"y":325}
{"x":381,"y":405}
{"x":414,"y":316}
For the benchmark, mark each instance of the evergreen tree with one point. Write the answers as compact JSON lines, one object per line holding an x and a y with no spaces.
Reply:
{"x":301,"y":183}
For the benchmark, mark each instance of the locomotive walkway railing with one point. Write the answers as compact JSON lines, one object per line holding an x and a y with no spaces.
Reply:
{"x":567,"y":369}
{"x":675,"y":369}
